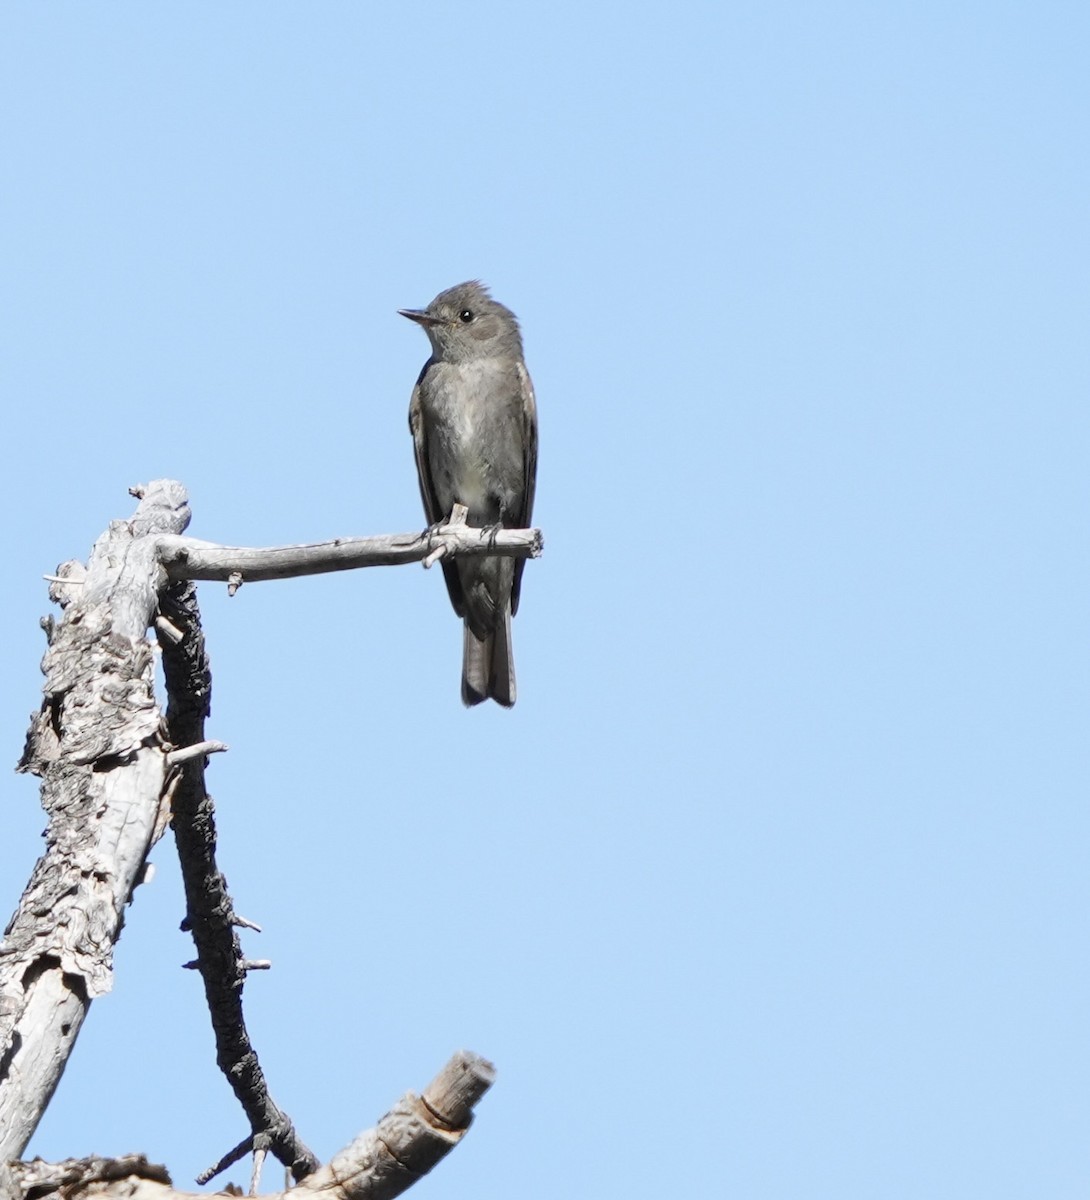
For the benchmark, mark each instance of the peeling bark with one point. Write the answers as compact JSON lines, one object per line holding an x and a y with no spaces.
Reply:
{"x":97,"y":745}
{"x":109,"y":775}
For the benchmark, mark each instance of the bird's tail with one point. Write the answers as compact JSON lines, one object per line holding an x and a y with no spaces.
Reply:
{"x":488,"y":666}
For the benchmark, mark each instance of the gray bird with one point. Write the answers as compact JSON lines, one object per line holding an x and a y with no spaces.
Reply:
{"x":474,"y":423}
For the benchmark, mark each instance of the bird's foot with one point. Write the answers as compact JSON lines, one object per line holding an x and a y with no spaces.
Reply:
{"x":434,"y":551}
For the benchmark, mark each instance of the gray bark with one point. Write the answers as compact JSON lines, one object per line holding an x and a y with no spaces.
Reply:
{"x":188,"y":558}
{"x":415,"y":1135}
{"x":97,"y":745}
{"x":101,"y":747}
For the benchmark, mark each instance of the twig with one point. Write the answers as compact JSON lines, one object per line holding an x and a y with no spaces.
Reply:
{"x":198,"y":750}
{"x":255,"y":1174}
{"x":163,"y":626}
{"x":234,"y":1155}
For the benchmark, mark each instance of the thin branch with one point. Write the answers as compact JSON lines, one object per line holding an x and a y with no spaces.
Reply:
{"x":255,"y":1174}
{"x":163,"y":626}
{"x":234,"y":1155}
{"x":188,"y":558}
{"x":210,"y":915}
{"x":198,"y":750}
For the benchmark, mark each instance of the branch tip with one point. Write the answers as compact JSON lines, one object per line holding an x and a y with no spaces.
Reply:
{"x":228,"y":1160}
{"x":171,"y":632}
{"x":255,"y":1174}
{"x":453,"y":1093}
{"x":176,"y":757}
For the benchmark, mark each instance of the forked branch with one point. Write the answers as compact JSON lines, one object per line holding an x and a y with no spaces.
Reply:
{"x":114,"y":771}
{"x":415,"y":1135}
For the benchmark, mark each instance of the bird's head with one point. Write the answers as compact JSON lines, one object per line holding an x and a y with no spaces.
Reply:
{"x":465,"y":323}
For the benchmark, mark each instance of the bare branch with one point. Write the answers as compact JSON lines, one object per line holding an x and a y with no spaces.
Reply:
{"x":188,"y":558}
{"x":163,"y":626}
{"x":409,"y":1140}
{"x":415,"y":1135}
{"x":255,"y":1174}
{"x":234,"y":1155}
{"x":110,"y":779}
{"x":210,"y":914}
{"x":198,"y":750}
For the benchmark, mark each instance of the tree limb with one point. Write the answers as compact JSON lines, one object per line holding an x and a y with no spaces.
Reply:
{"x":415,"y":1135}
{"x":210,"y":914}
{"x":188,"y":558}
{"x":112,"y":771}
{"x":97,"y":745}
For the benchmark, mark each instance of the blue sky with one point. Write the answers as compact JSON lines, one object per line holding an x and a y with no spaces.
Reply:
{"x":774,"y":882}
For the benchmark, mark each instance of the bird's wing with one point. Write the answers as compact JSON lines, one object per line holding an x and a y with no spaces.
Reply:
{"x":427,"y":491}
{"x":420,"y":445}
{"x":528,"y":409}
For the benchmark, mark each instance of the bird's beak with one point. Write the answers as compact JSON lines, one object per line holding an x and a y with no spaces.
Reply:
{"x":419,"y":316}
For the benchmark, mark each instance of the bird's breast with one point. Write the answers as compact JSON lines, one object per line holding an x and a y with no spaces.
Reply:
{"x":461,"y":413}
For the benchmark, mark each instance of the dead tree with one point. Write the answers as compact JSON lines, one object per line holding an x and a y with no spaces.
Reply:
{"x":116,"y":770}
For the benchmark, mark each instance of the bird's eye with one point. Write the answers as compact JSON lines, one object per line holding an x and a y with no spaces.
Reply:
{"x":466,"y":315}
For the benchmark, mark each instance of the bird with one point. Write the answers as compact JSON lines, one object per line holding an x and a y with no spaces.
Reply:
{"x":473,"y":418}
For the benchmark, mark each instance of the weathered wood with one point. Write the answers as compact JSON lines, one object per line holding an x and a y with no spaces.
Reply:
{"x":378,"y":1165}
{"x":408,"y":1141}
{"x":454,"y":1092}
{"x":189,"y":558}
{"x":80,"y":1175}
{"x":109,"y":773}
{"x":96,"y":744}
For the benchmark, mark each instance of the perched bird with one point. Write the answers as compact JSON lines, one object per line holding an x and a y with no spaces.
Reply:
{"x":474,"y":423}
